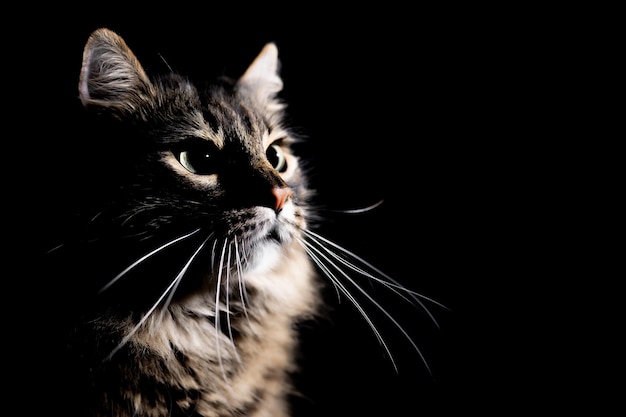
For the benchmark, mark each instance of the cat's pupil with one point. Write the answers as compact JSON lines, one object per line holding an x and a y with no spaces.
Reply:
{"x":276,"y":156}
{"x":197,"y":161}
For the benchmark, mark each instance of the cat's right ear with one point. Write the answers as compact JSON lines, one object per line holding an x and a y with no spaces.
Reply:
{"x":111,"y":77}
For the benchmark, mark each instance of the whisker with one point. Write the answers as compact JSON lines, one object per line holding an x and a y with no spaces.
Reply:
{"x":359,"y":210}
{"x":228,"y":312}
{"x":57,"y":247}
{"x":165,"y":62}
{"x":339,"y":286}
{"x":143,"y":258}
{"x":180,"y":276}
{"x":330,"y":262}
{"x":391,"y":283}
{"x":217,"y":312}
{"x":168,"y":291}
{"x":98,"y":214}
{"x":135,"y":213}
{"x":213,"y":255}
{"x":244,"y":252}
{"x":242,"y":294}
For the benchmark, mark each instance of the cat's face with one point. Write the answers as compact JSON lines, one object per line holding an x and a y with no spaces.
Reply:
{"x":211,"y":164}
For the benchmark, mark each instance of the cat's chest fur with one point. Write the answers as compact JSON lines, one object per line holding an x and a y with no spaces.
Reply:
{"x":189,"y":359}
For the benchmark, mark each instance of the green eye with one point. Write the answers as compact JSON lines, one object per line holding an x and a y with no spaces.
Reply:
{"x":276,"y":156}
{"x":198,"y":160}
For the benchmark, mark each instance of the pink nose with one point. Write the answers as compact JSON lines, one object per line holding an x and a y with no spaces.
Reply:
{"x":281,"y":194}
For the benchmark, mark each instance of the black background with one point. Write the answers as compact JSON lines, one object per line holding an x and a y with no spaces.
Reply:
{"x":428,"y":110}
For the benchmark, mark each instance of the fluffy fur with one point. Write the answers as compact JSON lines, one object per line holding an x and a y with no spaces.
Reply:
{"x":193,"y":255}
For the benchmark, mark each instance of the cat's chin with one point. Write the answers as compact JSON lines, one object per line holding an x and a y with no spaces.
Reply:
{"x":273,"y":237}
{"x":267,"y":251}
{"x":265,"y":256}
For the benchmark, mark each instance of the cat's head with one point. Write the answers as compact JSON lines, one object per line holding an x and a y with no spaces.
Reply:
{"x":190,"y":164}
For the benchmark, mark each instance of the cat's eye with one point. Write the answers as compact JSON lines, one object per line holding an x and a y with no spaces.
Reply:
{"x":276,"y":156}
{"x":197,"y":160}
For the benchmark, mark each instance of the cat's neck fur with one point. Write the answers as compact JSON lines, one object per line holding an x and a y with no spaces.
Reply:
{"x":219,"y":372}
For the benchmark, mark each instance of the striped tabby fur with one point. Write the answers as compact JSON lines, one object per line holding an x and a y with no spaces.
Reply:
{"x":197,"y":244}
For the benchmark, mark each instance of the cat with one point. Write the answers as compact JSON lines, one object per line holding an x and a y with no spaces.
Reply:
{"x":197,"y":258}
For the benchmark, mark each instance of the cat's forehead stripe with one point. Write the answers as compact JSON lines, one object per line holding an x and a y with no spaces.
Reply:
{"x":235,"y":121}
{"x":203,"y":130}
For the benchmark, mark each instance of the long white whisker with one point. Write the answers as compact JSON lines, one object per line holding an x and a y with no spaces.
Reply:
{"x":228,"y":312}
{"x":242,"y":294}
{"x":180,"y":276}
{"x":392,"y":282}
{"x":372,"y":300}
{"x":244,"y":252}
{"x":169,"y":290}
{"x":396,"y":288}
{"x":213,"y":255}
{"x":392,"y":286}
{"x":143,"y":258}
{"x":217,"y":311}
{"x":360,"y":210}
{"x":339,"y":285}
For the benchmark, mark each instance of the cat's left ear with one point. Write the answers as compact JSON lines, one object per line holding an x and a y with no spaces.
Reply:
{"x":262,"y":80}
